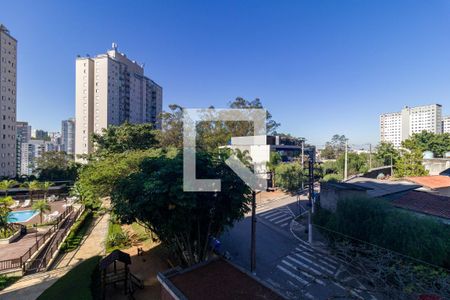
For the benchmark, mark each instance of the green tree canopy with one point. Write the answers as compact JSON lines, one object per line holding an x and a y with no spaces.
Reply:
{"x":385,"y":151}
{"x":439,"y":144}
{"x":289,"y":176}
{"x":55,"y":165}
{"x":410,"y":164}
{"x":126,"y":137}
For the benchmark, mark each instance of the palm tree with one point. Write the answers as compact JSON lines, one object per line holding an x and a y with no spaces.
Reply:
{"x":32,"y":186}
{"x":4,"y":222}
{"x":45,"y":186}
{"x":6,"y":185}
{"x":41,"y":206}
{"x":6,"y":201}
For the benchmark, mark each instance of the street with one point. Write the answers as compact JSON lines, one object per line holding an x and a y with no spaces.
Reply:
{"x":288,"y":263}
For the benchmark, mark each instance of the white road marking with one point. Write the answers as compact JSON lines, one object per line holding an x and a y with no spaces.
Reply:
{"x":277,"y":217}
{"x":267,"y":213}
{"x":304,"y":273}
{"x":284,"y":224}
{"x":292,"y":275}
{"x":313,"y":263}
{"x":307,"y":253}
{"x":282,"y":220}
{"x":304,"y":265}
{"x":318,"y":254}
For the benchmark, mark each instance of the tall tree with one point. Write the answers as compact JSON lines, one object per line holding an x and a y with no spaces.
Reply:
{"x":410,"y":164}
{"x":387,"y":153}
{"x":45,"y":187}
{"x":123,"y":138}
{"x":7,"y":184}
{"x":439,"y":144}
{"x":55,"y":165}
{"x":32,"y":186}
{"x":42,"y":207}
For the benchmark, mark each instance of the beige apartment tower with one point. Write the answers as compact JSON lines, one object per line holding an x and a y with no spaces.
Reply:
{"x":110,"y":90}
{"x":8,"y":89}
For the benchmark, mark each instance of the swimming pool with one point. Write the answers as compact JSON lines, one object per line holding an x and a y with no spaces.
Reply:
{"x":21,"y":216}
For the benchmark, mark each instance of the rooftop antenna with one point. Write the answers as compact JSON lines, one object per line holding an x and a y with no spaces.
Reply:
{"x":114,"y":46}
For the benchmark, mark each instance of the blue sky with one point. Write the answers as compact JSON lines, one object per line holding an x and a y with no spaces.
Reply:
{"x":320,"y":67}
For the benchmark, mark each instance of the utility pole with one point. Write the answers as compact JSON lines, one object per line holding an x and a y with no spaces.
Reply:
{"x":311,"y":196}
{"x":370,"y":156}
{"x":253,"y":238}
{"x":346,"y":160}
{"x":392,"y":167}
{"x":303,"y":161}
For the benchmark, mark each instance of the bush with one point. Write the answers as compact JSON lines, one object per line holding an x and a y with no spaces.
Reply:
{"x":332,"y":178}
{"x":6,"y":281}
{"x":378,"y":222}
{"x":289,"y":176}
{"x":78,"y":231}
{"x":117,"y":239}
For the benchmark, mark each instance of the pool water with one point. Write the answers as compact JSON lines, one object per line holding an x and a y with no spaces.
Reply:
{"x":21,"y":216}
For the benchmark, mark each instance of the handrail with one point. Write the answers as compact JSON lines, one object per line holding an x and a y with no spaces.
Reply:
{"x":18,"y":262}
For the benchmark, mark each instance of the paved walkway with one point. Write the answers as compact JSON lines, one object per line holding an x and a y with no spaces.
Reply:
{"x":30,"y":287}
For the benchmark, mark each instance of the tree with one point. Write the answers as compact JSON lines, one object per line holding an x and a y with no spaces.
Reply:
{"x":387,"y":153}
{"x":335,"y":147}
{"x":153,"y":195}
{"x":410,"y":164}
{"x":437,"y":143}
{"x":6,"y":201}
{"x":45,"y":186}
{"x":289,"y":176}
{"x":5,"y":226}
{"x":42,"y":207}
{"x":32,"y":186}
{"x":210,"y":134}
{"x":123,"y":138}
{"x":6,"y":185}
{"x":55,"y":165}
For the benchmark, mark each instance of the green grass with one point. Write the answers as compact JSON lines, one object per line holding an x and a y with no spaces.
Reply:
{"x":140,"y":231}
{"x":7,"y":281}
{"x":78,"y":231}
{"x":79,"y":283}
{"x":117,"y":239}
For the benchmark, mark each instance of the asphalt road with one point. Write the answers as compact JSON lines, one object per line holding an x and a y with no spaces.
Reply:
{"x":287,"y":263}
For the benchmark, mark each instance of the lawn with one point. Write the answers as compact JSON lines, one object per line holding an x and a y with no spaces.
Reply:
{"x":79,"y":283}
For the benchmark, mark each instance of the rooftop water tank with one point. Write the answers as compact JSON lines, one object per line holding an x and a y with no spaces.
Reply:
{"x":428,"y":155}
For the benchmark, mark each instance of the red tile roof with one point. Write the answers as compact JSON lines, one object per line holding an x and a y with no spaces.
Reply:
{"x":426,"y":203}
{"x":432,"y":182}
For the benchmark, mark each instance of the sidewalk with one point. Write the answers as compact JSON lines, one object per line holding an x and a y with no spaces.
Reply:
{"x":30,"y":287}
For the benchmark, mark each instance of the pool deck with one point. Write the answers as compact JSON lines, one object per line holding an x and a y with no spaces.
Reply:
{"x":21,"y":246}
{"x":55,"y":206}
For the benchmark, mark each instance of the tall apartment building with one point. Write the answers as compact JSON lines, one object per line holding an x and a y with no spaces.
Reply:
{"x":110,"y":90}
{"x":68,"y":136}
{"x":399,"y":126}
{"x":8,"y":89}
{"x":23,"y":135}
{"x":446,"y":124}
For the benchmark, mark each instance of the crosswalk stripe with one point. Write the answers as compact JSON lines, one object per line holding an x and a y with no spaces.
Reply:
{"x":313,"y":263}
{"x":304,"y":273}
{"x":292,"y":274}
{"x":266,"y":213}
{"x":277,"y":217}
{"x":304,"y":265}
{"x":316,"y":257}
{"x":282,"y":220}
{"x":308,"y":248}
{"x":284,"y":224}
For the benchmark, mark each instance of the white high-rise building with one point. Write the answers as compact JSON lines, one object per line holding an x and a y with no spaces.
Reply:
{"x":23,"y":135}
{"x":68,"y":136}
{"x":399,"y":126}
{"x":110,"y":90}
{"x":8,"y":89}
{"x":446,"y":124}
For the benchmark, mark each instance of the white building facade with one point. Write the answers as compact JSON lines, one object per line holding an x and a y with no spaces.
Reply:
{"x":23,"y":135}
{"x":68,"y":136}
{"x":446,"y":124}
{"x":399,"y":126}
{"x":110,"y":90}
{"x":8,"y":90}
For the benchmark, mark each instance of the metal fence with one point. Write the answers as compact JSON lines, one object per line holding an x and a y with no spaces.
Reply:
{"x":19,"y":262}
